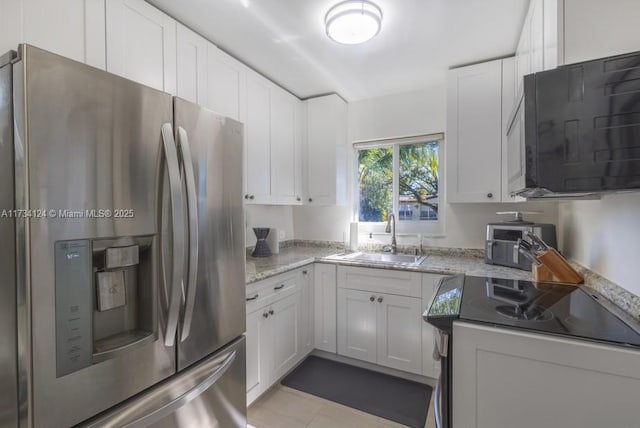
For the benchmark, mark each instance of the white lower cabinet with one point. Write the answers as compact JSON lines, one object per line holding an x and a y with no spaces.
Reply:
{"x":284,"y":323}
{"x":507,"y":378}
{"x":278,"y":328}
{"x":258,"y":356}
{"x":357,"y":335}
{"x":399,"y":327}
{"x":378,"y":327}
{"x":307,"y":308}
{"x":325,"y":307}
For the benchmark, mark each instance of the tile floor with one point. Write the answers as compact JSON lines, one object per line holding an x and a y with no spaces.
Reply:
{"x":283,"y":407}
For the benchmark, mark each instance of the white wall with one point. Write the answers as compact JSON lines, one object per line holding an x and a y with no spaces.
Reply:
{"x":274,"y":216}
{"x":418,"y":112}
{"x":604,"y":236}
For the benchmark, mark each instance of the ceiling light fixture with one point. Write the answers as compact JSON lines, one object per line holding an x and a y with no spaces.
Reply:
{"x":353,"y":21}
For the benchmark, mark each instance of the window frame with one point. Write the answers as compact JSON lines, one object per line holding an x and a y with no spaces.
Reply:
{"x":426,"y":228}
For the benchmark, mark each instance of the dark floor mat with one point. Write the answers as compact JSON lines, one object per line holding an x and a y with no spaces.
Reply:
{"x":389,"y":397}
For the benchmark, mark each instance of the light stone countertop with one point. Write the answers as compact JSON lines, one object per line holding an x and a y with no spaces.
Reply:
{"x":439,"y":261}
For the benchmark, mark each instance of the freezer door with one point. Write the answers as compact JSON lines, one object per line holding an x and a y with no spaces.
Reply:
{"x":214,"y":310}
{"x":88,"y":140}
{"x":210,"y":394}
{"x":8,"y":329}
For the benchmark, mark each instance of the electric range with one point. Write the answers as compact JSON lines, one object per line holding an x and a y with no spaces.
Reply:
{"x":546,"y":308}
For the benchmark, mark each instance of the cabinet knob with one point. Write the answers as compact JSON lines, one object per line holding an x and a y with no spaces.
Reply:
{"x":310,"y":199}
{"x":271,"y":312}
{"x":246,"y":196}
{"x":380,"y":299}
{"x":298,"y":198}
{"x":372,"y":298}
{"x":489,"y":195}
{"x":251,"y":197}
{"x":304,"y":272}
{"x":266,"y":315}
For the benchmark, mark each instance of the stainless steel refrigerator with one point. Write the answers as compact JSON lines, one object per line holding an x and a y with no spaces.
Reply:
{"x":122,"y":267}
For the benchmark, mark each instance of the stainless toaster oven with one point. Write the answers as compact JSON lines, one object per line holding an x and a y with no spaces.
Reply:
{"x":501,"y":244}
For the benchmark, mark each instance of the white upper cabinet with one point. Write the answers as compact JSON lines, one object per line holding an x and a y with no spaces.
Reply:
{"x":74,"y":28}
{"x":538,"y":45}
{"x":285,"y":148}
{"x":192,"y":66}
{"x":474,"y":133}
{"x":508,"y":105}
{"x":226,"y":84}
{"x":596,"y":28}
{"x":141,"y":44}
{"x":258,"y":141}
{"x":326,"y":150}
{"x":10,"y":25}
{"x":557,"y":32}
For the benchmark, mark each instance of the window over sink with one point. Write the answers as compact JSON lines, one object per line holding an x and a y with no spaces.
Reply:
{"x":400,"y":176}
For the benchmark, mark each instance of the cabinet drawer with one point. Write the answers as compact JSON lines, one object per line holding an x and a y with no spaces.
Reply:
{"x":269,"y":290}
{"x":380,"y":281}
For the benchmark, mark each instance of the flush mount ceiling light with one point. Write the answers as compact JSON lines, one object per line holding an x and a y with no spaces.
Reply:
{"x":353,"y":21}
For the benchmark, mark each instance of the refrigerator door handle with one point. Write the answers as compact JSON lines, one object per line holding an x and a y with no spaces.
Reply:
{"x":192,"y":207}
{"x":175,"y":189}
{"x":135,"y":414}
{"x":185,"y":398}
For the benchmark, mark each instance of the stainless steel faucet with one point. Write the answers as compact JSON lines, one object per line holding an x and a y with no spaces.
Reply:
{"x":392,"y":230}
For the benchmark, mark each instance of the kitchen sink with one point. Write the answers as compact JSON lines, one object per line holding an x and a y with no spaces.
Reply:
{"x":385,"y":258}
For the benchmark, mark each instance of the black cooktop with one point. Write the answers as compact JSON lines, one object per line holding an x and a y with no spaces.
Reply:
{"x":544,"y":307}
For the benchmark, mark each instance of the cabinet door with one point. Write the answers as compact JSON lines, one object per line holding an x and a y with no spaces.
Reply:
{"x":141,"y":44}
{"x":536,"y":28}
{"x":74,"y":29}
{"x":503,"y":375}
{"x":226,"y":84}
{"x":258,"y":149}
{"x":285,"y":322}
{"x":596,"y":29}
{"x":259,"y":354}
{"x":307,"y":310}
{"x":523,"y":54}
{"x":430,"y":367}
{"x":285,"y":152}
{"x":192,"y":66}
{"x":474,"y":129}
{"x":552,"y":31}
{"x":399,"y":327}
{"x":325,"y":307}
{"x":11,"y":34}
{"x":326,"y":150}
{"x":357,"y":336}
{"x":508,"y":107}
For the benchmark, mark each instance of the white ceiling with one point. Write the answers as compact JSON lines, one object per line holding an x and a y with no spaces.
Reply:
{"x":419,"y":41}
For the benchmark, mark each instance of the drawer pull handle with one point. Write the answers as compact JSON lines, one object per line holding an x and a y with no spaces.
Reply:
{"x":380,"y":299}
{"x":252,"y":298}
{"x":279,"y":287}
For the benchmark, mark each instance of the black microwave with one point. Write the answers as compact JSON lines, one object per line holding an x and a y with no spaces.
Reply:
{"x":575,"y":131}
